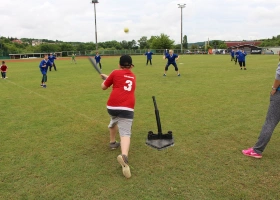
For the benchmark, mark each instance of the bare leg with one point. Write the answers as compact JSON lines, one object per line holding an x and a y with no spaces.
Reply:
{"x":125,"y":144}
{"x":113,"y":133}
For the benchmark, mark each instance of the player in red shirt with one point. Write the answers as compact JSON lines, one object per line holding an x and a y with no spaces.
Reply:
{"x":3,"y":70}
{"x":120,"y":106}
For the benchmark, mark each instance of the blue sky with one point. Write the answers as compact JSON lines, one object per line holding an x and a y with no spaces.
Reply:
{"x":70,"y":20}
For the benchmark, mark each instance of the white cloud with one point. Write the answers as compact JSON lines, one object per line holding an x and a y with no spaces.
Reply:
{"x":74,"y":20}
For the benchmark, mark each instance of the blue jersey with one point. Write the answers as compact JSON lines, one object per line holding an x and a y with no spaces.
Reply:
{"x":97,"y":58}
{"x":232,"y":53}
{"x":149,"y":55}
{"x":241,"y":56}
{"x":171,"y":58}
{"x":237,"y":53}
{"x":51,"y":58}
{"x":44,"y":64}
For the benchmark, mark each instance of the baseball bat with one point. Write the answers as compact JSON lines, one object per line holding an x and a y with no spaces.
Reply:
{"x":95,"y":66}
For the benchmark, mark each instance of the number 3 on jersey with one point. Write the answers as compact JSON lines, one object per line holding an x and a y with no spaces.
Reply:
{"x":129,"y":85}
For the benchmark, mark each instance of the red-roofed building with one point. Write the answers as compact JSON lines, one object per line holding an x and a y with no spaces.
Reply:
{"x":17,"y":41}
{"x":242,"y":43}
{"x":250,"y":47}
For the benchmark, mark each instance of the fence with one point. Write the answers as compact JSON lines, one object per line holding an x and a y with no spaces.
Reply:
{"x":105,"y":52}
{"x":118,"y":52}
{"x":31,"y":55}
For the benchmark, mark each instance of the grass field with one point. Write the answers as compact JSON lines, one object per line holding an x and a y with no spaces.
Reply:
{"x":54,"y":141}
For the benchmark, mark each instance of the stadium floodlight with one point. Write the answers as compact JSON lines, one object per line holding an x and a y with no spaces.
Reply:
{"x":181,"y":6}
{"x":94,"y":2}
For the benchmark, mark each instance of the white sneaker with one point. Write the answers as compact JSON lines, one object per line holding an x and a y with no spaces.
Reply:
{"x":122,"y":159}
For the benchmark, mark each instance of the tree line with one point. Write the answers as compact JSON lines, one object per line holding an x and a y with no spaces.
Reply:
{"x":163,"y":41}
{"x":13,"y":46}
{"x":273,"y":42}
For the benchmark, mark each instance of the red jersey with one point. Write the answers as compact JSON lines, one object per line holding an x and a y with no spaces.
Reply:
{"x":4,"y":68}
{"x":122,"y":96}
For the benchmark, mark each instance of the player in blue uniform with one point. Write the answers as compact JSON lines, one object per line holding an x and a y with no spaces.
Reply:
{"x":236,"y":55}
{"x":241,"y":59}
{"x":97,"y":58}
{"x":44,"y":64}
{"x":51,"y":59}
{"x":149,"y":57}
{"x":171,"y":60}
{"x":232,"y":54}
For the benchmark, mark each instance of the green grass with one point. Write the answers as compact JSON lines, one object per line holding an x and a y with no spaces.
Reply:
{"x":54,"y":141}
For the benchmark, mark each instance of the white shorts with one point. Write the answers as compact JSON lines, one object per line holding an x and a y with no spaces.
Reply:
{"x":124,"y":125}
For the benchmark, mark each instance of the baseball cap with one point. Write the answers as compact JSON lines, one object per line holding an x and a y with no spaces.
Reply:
{"x":126,"y":60}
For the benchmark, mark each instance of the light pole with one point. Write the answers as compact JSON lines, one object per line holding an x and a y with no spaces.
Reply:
{"x":94,"y":2}
{"x":181,"y":6}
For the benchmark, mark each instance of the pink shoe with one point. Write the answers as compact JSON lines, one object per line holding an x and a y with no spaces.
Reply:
{"x":250,"y":152}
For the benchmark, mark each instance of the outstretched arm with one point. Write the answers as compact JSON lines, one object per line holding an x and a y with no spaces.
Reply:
{"x":104,"y":87}
{"x":104,"y":77}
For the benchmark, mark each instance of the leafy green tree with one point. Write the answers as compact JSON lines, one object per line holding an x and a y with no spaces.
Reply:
{"x":132,"y":44}
{"x":209,"y":47}
{"x":150,"y":41}
{"x":27,"y":40}
{"x":124,"y":44}
{"x":67,"y":47}
{"x":177,"y":46}
{"x":215,"y":43}
{"x":90,"y":46}
{"x":29,"y":49}
{"x":194,"y":46}
{"x":12,"y":49}
{"x":222,"y":46}
{"x":275,"y":41}
{"x":218,"y":44}
{"x":110,"y":45}
{"x":5,"y":40}
{"x":118,"y":46}
{"x":161,"y":42}
{"x":81,"y":47}
{"x":185,"y":42}
{"x":143,"y":42}
{"x":45,"y":47}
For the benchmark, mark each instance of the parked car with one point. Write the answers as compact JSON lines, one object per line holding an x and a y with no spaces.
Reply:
{"x":269,"y":52}
{"x":189,"y":52}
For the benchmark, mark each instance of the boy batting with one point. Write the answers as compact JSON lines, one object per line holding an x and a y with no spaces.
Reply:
{"x":120,"y":107}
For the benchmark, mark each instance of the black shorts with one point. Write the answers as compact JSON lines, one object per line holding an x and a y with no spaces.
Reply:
{"x":121,"y":113}
{"x":174,"y":64}
{"x":241,"y":63}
